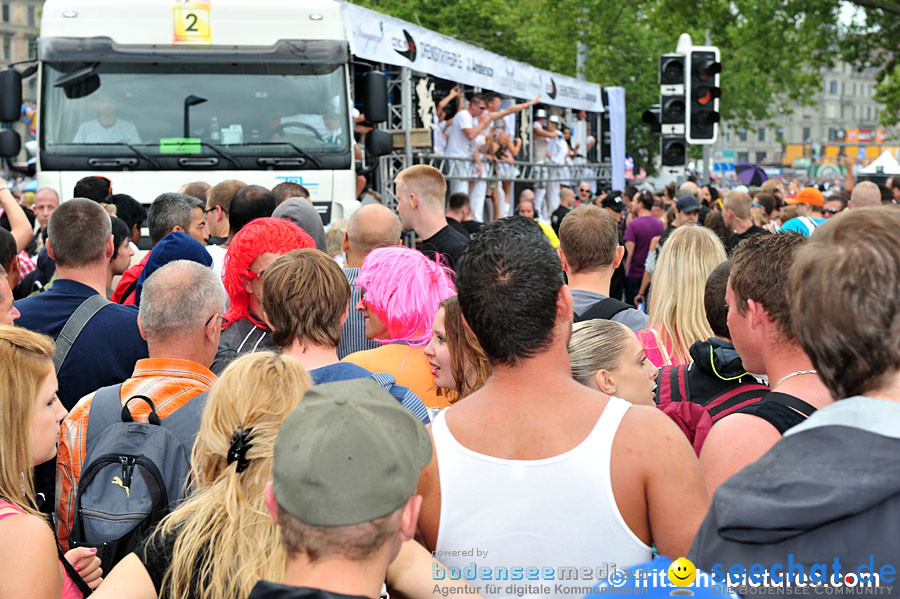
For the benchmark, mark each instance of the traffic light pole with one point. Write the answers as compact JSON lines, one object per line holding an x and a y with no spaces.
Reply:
{"x":704,"y":169}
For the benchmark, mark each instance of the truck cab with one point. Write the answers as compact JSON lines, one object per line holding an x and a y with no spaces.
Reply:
{"x":157,"y":93}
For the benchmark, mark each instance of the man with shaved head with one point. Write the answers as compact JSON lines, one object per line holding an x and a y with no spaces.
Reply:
{"x":865,"y":193}
{"x":370,"y":227}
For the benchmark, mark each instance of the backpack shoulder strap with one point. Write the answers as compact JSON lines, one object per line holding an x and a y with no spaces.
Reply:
{"x":669,"y":384}
{"x":792,"y":402}
{"x":129,"y":291}
{"x":184,"y":422}
{"x":73,"y":327}
{"x":605,"y":309}
{"x":106,"y":410}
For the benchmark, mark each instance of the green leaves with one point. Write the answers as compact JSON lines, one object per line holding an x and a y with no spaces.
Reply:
{"x":772,"y":50}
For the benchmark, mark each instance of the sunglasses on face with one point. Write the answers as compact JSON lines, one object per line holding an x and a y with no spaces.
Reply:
{"x":830,"y":211}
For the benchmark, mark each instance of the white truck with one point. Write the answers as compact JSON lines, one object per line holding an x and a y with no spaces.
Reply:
{"x":153,"y":94}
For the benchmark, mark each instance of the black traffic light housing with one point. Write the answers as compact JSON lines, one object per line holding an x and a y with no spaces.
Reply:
{"x":703,"y":92}
{"x":651,"y":116}
{"x":673,"y":151}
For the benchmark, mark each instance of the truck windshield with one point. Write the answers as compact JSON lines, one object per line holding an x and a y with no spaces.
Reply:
{"x":231,"y":114}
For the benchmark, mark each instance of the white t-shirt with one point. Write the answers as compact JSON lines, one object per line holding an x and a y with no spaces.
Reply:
{"x":92,"y":132}
{"x":540,"y":145}
{"x":558,"y":149}
{"x":217,"y":253}
{"x":580,"y":137}
{"x":439,"y":135}
{"x":458,"y":145}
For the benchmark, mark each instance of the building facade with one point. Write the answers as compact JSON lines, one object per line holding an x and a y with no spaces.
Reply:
{"x":843,"y":119}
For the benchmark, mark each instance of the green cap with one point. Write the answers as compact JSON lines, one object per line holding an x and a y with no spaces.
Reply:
{"x":349,"y":453}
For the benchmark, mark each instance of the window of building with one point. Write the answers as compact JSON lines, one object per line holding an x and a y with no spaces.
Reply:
{"x":762,"y":134}
{"x":760,"y":157}
{"x":832,"y":88}
{"x":779,"y":134}
{"x":7,"y":47}
{"x":806,"y":134}
{"x":32,"y":16}
{"x":830,"y":111}
{"x":6,"y":12}
{"x":743,"y":156}
{"x":742,"y":134}
{"x":32,"y":47}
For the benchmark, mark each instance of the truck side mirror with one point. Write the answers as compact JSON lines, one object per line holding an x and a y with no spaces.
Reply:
{"x":10,"y":143}
{"x":10,"y":95}
{"x":374,"y":97}
{"x":379,"y":143}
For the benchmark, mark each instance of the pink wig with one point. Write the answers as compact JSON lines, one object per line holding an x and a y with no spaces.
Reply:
{"x":260,"y":236}
{"x":404,"y":289}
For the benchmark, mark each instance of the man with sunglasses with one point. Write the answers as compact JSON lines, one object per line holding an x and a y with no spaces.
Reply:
{"x":583,"y":193}
{"x":833,"y":205}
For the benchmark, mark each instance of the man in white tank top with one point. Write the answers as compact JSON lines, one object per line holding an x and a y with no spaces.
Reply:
{"x":536,"y":480}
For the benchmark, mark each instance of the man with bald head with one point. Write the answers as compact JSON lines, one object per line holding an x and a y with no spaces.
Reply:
{"x":865,"y":193}
{"x":689,"y":188}
{"x":371,"y":226}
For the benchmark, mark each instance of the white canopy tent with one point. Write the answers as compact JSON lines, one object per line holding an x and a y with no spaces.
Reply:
{"x":885,"y":164}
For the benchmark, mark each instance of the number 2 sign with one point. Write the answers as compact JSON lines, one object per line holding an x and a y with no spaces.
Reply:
{"x":191,"y":22}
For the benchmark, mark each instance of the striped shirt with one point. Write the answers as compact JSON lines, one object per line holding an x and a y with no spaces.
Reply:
{"x":353,"y":333}
{"x":168,"y":382}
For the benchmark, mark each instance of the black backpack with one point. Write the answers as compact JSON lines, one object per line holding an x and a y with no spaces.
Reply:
{"x":605,"y":309}
{"x":133,"y":474}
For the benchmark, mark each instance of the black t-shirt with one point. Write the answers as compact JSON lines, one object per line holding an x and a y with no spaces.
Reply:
{"x":466,"y":227}
{"x":556,"y":218}
{"x":272,"y":590}
{"x":448,"y":242}
{"x":156,"y":555}
{"x":735,"y":239}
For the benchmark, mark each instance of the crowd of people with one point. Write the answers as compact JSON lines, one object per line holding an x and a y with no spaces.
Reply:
{"x":258,"y":407}
{"x":483,"y":132}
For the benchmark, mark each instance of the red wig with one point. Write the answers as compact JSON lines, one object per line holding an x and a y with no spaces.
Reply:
{"x":261,"y":236}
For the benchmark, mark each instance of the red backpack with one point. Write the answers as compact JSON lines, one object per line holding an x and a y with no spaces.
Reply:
{"x":696,"y":401}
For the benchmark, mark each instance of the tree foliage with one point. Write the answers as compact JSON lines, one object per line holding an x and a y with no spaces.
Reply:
{"x":871,"y":44}
{"x":772,"y":52}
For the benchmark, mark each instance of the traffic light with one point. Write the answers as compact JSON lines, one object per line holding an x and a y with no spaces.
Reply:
{"x":703,"y":92}
{"x":674,"y":151}
{"x":671,"y":94}
{"x":651,"y":116}
{"x":673,"y":148}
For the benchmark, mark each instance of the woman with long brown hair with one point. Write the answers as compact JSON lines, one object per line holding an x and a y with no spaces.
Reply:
{"x":457,"y":361}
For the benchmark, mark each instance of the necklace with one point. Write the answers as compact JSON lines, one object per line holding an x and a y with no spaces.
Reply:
{"x":795,"y":373}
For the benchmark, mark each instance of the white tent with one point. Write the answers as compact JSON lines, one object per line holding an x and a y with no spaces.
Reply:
{"x":886,"y":164}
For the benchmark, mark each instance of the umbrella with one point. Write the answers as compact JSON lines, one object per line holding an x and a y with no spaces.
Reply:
{"x":750,"y":174}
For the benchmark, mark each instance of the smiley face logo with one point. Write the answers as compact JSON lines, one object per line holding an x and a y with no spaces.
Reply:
{"x":682,"y":572}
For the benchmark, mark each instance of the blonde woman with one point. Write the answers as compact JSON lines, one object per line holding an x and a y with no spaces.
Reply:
{"x":222,"y":540}
{"x":607,"y":356}
{"x":30,"y":414}
{"x":677,"y":311}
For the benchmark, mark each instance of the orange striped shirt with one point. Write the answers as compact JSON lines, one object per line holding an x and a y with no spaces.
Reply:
{"x":168,"y":382}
